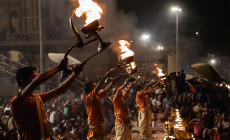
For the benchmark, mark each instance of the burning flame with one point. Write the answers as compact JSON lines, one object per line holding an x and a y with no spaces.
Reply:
{"x":178,"y":121}
{"x":90,"y":9}
{"x":125,"y":51}
{"x":133,"y":65}
{"x":160,"y":72}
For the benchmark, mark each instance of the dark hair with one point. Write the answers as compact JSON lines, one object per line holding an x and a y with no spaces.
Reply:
{"x":23,"y":74}
{"x":138,"y":87}
{"x":88,"y":87}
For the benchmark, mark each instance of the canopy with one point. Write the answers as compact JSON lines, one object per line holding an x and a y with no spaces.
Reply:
{"x":206,"y":71}
{"x":57,"y":57}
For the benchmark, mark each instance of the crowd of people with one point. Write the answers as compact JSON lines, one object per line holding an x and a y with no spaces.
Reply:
{"x":204,"y":107}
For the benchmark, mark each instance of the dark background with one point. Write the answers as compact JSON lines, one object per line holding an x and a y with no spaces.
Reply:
{"x":208,"y":17}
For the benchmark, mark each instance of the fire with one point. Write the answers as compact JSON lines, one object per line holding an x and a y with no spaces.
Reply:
{"x":133,"y":65}
{"x":160,"y":72}
{"x":125,"y":51}
{"x":178,"y":121}
{"x":90,"y":9}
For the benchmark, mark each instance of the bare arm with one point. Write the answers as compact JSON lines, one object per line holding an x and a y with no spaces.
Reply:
{"x":66,"y":102}
{"x":102,"y":81}
{"x":43,"y":77}
{"x":109,"y":86}
{"x":64,"y":86}
{"x":119,"y":93}
{"x":129,"y":88}
{"x":148,"y":89}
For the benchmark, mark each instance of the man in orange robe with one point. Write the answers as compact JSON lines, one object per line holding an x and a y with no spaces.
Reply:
{"x":122,"y":122}
{"x":28,"y":109}
{"x":93,"y":106}
{"x":144,"y":113}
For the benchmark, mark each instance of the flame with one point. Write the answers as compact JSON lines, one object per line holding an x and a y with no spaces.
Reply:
{"x":125,"y":51}
{"x":90,"y":9}
{"x":178,"y":120}
{"x":133,"y":65}
{"x":160,"y":72}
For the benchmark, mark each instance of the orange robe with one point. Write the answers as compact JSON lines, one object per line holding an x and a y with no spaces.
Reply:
{"x":143,"y":101}
{"x":144,"y":114}
{"x":95,"y":116}
{"x":122,"y":122}
{"x":30,"y":111}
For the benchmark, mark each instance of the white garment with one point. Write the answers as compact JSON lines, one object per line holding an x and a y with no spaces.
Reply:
{"x":158,"y":91}
{"x":225,"y":124}
{"x":122,"y":131}
{"x":53,"y":117}
{"x":6,"y":109}
{"x":144,"y":122}
{"x":196,"y":108}
{"x":156,"y":103}
{"x":166,"y":103}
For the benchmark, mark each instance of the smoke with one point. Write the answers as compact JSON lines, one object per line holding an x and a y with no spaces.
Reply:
{"x":120,"y":25}
{"x":117,"y":24}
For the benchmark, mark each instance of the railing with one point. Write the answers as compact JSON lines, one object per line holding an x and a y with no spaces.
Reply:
{"x":9,"y":66}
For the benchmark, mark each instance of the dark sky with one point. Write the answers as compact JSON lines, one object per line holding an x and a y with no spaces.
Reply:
{"x":209,"y":17}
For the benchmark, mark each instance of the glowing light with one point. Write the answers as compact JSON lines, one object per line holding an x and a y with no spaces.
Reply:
{"x":160,"y":48}
{"x":125,"y":51}
{"x":178,"y":120}
{"x":133,"y":65}
{"x":213,"y":61}
{"x":145,"y":37}
{"x":90,"y":9}
{"x":177,"y":9}
{"x":159,"y":71}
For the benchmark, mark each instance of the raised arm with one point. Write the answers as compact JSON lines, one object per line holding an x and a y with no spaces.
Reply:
{"x":109,"y":86}
{"x":148,"y":89}
{"x":102,"y":81}
{"x":118,"y":92}
{"x":64,"y":86}
{"x":43,"y":77}
{"x":129,"y":87}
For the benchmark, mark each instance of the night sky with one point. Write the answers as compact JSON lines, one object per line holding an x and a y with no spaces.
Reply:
{"x":209,"y":17}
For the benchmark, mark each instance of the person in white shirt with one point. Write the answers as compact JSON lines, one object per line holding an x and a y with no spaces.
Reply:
{"x":156,"y":102}
{"x":7,"y":108}
{"x":166,"y":103}
{"x":54,"y":119}
{"x":197,"y":108}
